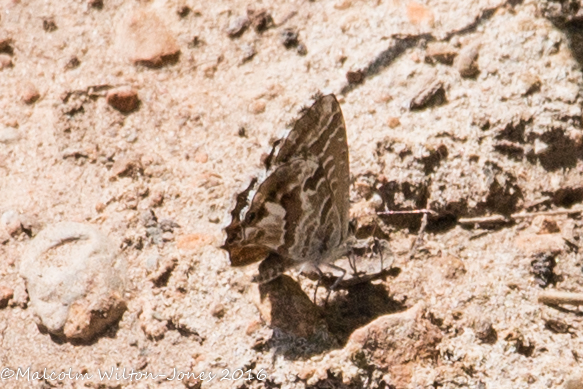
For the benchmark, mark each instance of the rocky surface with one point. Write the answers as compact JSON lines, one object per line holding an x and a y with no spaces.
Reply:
{"x":469,"y":109}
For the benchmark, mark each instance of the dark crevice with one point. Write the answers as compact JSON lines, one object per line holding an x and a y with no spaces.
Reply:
{"x":401,"y":43}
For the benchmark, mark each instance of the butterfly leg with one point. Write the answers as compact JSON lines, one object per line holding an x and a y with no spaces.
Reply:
{"x":352,"y":263}
{"x":320,"y":276}
{"x":339,"y":279}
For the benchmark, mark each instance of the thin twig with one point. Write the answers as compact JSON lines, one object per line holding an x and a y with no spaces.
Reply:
{"x":419,"y":238}
{"x":503,"y":219}
{"x":484,"y":219}
{"x":554,"y":297}
{"x":413,"y":211}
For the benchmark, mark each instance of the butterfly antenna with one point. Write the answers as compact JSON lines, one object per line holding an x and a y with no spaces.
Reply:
{"x":380,"y":249}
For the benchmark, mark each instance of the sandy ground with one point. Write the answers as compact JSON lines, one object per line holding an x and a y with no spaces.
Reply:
{"x":112,"y":110}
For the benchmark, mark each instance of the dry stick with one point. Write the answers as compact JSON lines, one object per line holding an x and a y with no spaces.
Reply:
{"x":503,"y":219}
{"x":557,"y":298}
{"x":419,"y":238}
{"x":414,"y":211}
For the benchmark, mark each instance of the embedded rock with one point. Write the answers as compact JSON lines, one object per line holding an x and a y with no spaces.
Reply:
{"x":75,"y":279}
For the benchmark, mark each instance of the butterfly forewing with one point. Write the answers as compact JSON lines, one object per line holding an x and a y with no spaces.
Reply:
{"x":321,"y":134}
{"x":300,"y":212}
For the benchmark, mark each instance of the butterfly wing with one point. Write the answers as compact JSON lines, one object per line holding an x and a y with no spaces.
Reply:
{"x":301,"y":209}
{"x":320,"y":135}
{"x":271,"y":221}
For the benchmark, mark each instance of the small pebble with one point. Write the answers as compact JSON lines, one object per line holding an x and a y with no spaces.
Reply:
{"x":152,"y":261}
{"x":253,"y":327}
{"x":168,"y":225}
{"x":343,"y":4}
{"x":466,"y":61}
{"x":393,"y":122}
{"x":545,"y":225}
{"x":440,"y":52}
{"x":237,"y":26}
{"x":5,"y":44}
{"x":124,"y":167}
{"x":11,"y":222}
{"x":302,"y":49}
{"x":542,"y":268}
{"x":5,"y":61}
{"x":540,"y":147}
{"x":161,"y":274}
{"x":132,"y":137}
{"x":557,"y":326}
{"x":156,"y":198}
{"x":383,"y":97}
{"x":100,"y":207}
{"x":195,"y":41}
{"x":29,"y":94}
{"x":148,"y":218}
{"x":527,"y":83}
{"x":183,"y":11}
{"x":433,"y":93}
{"x":8,"y":135}
{"x":419,"y":14}
{"x":209,"y":70}
{"x":289,"y":38}
{"x":124,"y":99}
{"x":485,"y":332}
{"x":4,"y":236}
{"x":72,"y":63}
{"x":148,"y":41}
{"x":218,"y":310}
{"x":97,"y":4}
{"x":6,"y":294}
{"x":12,"y":123}
{"x":260,"y":20}
{"x":201,"y":157}
{"x":30,"y":224}
{"x":257,"y":107}
{"x":355,"y":77}
{"x":49,"y":25}
{"x":248,"y":53}
{"x":193,"y":241}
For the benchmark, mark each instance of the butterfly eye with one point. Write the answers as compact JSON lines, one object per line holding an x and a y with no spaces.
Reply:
{"x":251,"y":217}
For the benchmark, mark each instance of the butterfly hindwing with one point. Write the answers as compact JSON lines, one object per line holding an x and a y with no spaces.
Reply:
{"x":272,"y":218}
{"x":300,"y":212}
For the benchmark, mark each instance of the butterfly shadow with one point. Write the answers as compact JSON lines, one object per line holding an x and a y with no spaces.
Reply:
{"x":359,"y":302}
{"x":303,"y":328}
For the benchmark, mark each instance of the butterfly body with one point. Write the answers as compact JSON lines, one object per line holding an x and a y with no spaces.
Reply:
{"x":299,"y":213}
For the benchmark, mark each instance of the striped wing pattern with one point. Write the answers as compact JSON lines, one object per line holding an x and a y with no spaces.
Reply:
{"x":299,"y":213}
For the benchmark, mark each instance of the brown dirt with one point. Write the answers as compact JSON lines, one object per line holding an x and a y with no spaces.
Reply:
{"x":503,"y":139}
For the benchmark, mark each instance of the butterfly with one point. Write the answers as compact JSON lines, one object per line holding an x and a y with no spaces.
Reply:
{"x":299,"y":214}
